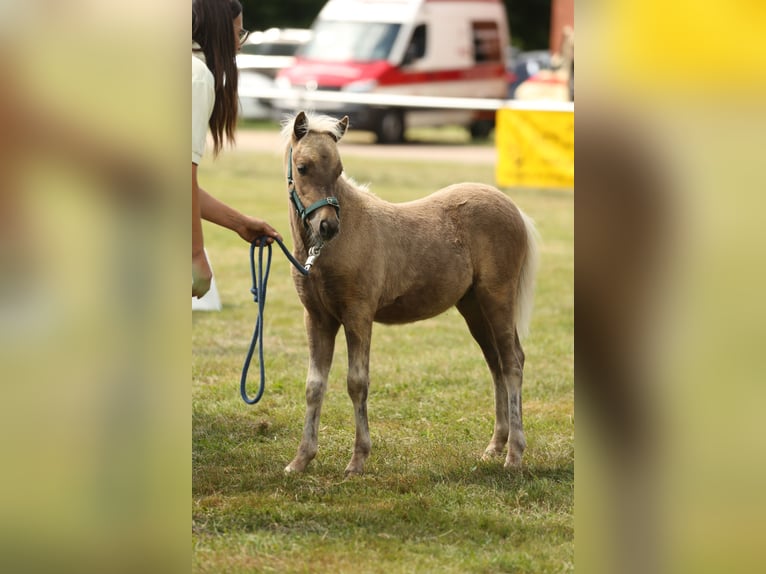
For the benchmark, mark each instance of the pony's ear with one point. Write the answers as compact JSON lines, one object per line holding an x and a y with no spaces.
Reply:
{"x":342,"y":127}
{"x":300,"y":126}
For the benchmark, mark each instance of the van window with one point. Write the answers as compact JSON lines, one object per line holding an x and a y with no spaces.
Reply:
{"x":337,"y":41}
{"x":270,"y":48}
{"x":486,"y":42}
{"x":417,"y":46}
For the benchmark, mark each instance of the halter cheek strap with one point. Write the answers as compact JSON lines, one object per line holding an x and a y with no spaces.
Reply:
{"x":304,"y":212}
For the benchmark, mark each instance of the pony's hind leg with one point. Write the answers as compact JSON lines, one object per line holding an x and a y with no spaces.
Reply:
{"x":517,"y":443}
{"x":321,"y":338}
{"x":482,"y":333}
{"x":358,"y":340}
{"x":497,"y":309}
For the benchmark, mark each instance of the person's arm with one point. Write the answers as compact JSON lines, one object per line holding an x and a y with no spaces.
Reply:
{"x":202,"y":275}
{"x":248,"y":228}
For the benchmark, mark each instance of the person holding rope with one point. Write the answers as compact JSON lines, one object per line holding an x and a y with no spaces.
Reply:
{"x":217,"y":35}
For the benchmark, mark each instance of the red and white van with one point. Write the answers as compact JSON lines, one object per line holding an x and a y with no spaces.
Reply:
{"x":405,"y":47}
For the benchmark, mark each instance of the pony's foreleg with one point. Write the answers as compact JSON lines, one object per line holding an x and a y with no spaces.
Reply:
{"x":321,"y":338}
{"x":358,"y":340}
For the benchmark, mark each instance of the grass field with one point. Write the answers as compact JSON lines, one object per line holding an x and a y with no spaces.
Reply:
{"x":426,"y":502}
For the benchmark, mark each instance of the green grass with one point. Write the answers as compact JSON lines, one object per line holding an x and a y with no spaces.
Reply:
{"x":426,"y":502}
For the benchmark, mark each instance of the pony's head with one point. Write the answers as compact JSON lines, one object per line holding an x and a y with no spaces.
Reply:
{"x":314,"y":166}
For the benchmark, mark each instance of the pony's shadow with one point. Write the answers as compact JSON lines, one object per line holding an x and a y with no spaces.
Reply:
{"x":492,"y":474}
{"x":241,"y":452}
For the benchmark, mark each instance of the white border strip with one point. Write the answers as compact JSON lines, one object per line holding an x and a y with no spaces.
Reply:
{"x":303,"y":98}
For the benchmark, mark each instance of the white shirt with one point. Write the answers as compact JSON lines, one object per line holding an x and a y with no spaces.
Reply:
{"x":203,"y":99}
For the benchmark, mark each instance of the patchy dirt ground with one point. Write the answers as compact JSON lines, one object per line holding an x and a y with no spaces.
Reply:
{"x":361,"y":144}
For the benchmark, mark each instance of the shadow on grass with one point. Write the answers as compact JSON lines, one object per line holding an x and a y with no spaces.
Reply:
{"x":238,"y":453}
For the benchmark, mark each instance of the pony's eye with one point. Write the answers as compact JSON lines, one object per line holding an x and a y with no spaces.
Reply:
{"x":301,"y":169}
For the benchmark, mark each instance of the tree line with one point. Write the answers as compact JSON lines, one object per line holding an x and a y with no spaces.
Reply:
{"x":529,"y":20}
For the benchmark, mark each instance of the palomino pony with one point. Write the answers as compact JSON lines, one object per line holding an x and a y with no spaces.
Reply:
{"x":386,"y":262}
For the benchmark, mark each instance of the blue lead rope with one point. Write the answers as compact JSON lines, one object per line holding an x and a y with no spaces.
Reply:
{"x":259,"y":296}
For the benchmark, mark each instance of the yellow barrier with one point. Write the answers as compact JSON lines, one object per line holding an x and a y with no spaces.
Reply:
{"x":535,"y":148}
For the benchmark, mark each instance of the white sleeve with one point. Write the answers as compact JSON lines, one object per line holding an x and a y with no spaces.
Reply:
{"x":203,"y":99}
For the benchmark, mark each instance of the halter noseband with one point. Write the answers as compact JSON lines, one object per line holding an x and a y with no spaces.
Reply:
{"x":304,"y":212}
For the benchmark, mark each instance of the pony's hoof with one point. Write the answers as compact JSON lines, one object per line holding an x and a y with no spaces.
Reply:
{"x":294,"y":468}
{"x":353,"y":470}
{"x":491,"y":454}
{"x":513,"y":462}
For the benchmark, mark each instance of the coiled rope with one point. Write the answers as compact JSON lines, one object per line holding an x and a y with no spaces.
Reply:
{"x":260,"y":281}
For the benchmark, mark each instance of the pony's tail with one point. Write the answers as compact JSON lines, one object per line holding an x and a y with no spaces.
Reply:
{"x":526,"y":290}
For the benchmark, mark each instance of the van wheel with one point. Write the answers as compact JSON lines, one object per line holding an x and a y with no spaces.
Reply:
{"x":390,"y":127}
{"x":481,"y":129}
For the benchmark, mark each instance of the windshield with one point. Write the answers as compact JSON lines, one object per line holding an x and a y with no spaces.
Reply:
{"x":357,"y":41}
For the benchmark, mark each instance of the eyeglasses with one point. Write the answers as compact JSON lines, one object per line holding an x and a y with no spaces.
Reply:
{"x":243,"y":34}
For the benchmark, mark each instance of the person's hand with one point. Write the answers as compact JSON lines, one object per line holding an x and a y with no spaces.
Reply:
{"x":253,"y":228}
{"x":202,"y":275}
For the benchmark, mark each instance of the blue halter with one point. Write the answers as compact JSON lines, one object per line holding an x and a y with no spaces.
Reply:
{"x":304,"y":212}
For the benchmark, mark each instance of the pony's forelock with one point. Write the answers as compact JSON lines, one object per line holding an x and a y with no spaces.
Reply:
{"x":319,"y":123}
{"x":316,"y":123}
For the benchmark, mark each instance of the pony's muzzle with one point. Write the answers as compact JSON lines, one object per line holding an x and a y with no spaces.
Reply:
{"x":328,"y":228}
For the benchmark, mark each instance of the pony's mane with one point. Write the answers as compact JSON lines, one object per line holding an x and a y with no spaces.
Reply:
{"x":364,"y":187}
{"x":316,"y":123}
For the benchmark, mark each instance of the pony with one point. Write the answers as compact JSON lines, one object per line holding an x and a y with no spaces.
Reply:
{"x":385,"y":262}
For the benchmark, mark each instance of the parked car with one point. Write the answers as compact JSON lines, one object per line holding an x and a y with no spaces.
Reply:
{"x":261,"y":57}
{"x":254,"y":108}
{"x":524,"y":65}
{"x":269,"y":51}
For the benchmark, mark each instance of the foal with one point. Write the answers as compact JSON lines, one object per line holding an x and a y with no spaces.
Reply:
{"x":385,"y":262}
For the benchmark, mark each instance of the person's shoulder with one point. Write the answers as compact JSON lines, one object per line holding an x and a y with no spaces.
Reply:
{"x":200,"y":71}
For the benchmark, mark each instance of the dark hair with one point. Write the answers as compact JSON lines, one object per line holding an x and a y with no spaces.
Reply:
{"x":212,"y":29}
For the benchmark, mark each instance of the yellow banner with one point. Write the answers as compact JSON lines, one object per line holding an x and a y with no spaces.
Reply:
{"x":534,"y":148}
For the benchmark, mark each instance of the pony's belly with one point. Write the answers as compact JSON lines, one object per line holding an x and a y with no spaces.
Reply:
{"x":409,"y":308}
